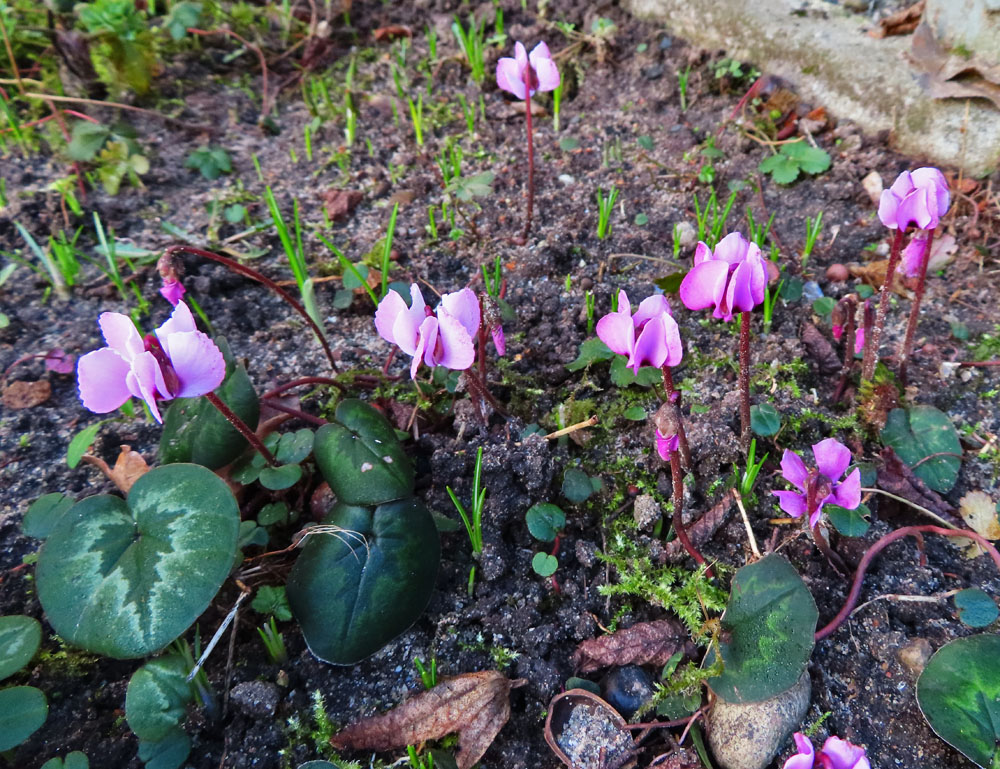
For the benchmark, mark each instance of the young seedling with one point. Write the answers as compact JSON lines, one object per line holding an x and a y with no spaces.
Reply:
{"x":274,"y":643}
{"x":295,"y":254}
{"x":545,"y":521}
{"x":813,"y":229}
{"x":428,"y":675}
{"x":522,"y":76}
{"x":605,"y":205}
{"x":770,"y":299}
{"x":682,"y":86}
{"x":472,"y":41}
{"x":710,"y":221}
{"x":473,"y":523}
{"x":748,"y":478}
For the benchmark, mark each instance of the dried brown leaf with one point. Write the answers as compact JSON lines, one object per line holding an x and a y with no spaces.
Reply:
{"x":952,"y":75}
{"x":340,"y":203}
{"x":392,"y":32}
{"x":901,"y":22}
{"x":873,"y":274}
{"x":25,"y":395}
{"x":895,"y":477}
{"x":700,"y":531}
{"x":979,"y":511}
{"x":129,"y":467}
{"x":819,"y":349}
{"x":476,"y":705}
{"x":652,"y":643}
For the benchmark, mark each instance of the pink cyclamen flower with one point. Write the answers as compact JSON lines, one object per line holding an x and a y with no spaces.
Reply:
{"x":650,"y":336}
{"x":836,"y":754}
{"x":914,"y":255}
{"x":178,"y":361}
{"x":665,"y":445}
{"x":919,"y":197}
{"x":730,"y":279}
{"x":173,"y":291}
{"x":819,"y":486}
{"x":527,"y":73}
{"x":441,"y":338}
{"x":859,"y":337}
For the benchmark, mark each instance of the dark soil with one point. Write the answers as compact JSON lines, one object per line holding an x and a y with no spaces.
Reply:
{"x":515,"y":618}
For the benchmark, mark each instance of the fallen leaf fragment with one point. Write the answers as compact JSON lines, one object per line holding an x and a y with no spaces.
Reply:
{"x":896,"y":478}
{"x":979,"y":510}
{"x":340,"y":203}
{"x":948,"y":75}
{"x":645,"y":643}
{"x":819,"y":349}
{"x":902,"y":22}
{"x":392,"y":32}
{"x":476,"y":705}
{"x":129,"y":467}
{"x":873,"y":274}
{"x":700,"y":531}
{"x":25,"y":395}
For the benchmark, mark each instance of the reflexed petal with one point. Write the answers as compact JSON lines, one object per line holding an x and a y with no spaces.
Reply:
{"x":888,"y":204}
{"x":509,"y":77}
{"x":650,"y":347}
{"x":665,"y":445}
{"x":915,"y":208}
{"x":407,"y":326}
{"x":832,"y":458}
{"x":705,"y":285}
{"x":758,"y":274}
{"x":388,"y":311}
{"x":197,"y":361}
{"x":173,"y":291}
{"x":848,"y":493}
{"x":805,"y":757}
{"x":732,"y":248}
{"x":616,"y":331}
{"x":932,"y":179}
{"x":180,"y":320}
{"x":913,"y":257}
{"x":794,"y":470}
{"x":650,"y":307}
{"x":792,"y":502}
{"x":142,"y":381}
{"x":121,"y":334}
{"x":521,"y":57}
{"x":539,"y":52}
{"x":498,"y":340}
{"x":672,"y":338}
{"x":101,"y":380}
{"x":547,"y":73}
{"x":859,"y":340}
{"x":903,"y":185}
{"x":844,"y":755}
{"x":454,"y":349}
{"x":702,"y":253}
{"x":463,"y":306}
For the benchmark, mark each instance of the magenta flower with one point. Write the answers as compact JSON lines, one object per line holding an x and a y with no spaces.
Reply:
{"x":173,"y":291}
{"x":665,"y":445}
{"x":536,"y":71}
{"x":822,"y":485}
{"x":649,"y":336}
{"x":859,"y":337}
{"x":443,"y":338}
{"x":836,"y":754}
{"x":730,"y":279}
{"x":914,"y":255}
{"x":920,"y":197}
{"x":177,"y":362}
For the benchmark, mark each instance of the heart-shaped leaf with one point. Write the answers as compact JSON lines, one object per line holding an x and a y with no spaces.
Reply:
{"x":770,"y":620}
{"x":157,"y":697}
{"x":74,"y":760}
{"x":364,"y":578}
{"x":361,"y":458}
{"x":20,"y":638}
{"x":195,"y":431}
{"x":23,"y":710}
{"x":169,"y":753}
{"x":43,"y":514}
{"x":959,"y":695}
{"x":124,"y":579}
{"x":545,"y":520}
{"x":925,"y":435}
{"x":975,"y":607}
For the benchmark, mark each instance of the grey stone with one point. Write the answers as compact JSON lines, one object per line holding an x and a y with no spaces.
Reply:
{"x":257,"y":699}
{"x":914,"y":655}
{"x":972,"y":24}
{"x":646,"y":511}
{"x":832,"y":61}
{"x":749,"y":735}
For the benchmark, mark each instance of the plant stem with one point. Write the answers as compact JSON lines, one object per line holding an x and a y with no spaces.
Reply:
{"x":678,"y":482}
{"x":745,"y":381}
{"x":881,"y":544}
{"x":824,"y":547}
{"x":240,"y":425}
{"x":674,"y":396}
{"x":872,"y":340}
{"x":235,"y":266}
{"x":848,"y":337}
{"x":911,"y":324}
{"x":531,"y":166}
{"x":306,"y":380}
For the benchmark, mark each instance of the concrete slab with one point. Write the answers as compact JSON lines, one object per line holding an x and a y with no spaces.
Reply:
{"x":833,"y":62}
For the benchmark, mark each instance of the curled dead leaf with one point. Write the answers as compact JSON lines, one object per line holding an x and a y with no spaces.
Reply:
{"x":902,"y":22}
{"x":585,"y":732}
{"x":25,"y":395}
{"x":129,"y":467}
{"x":950,"y":75}
{"x":392,"y":32}
{"x":979,"y":511}
{"x":895,"y":477}
{"x":819,"y":349}
{"x":476,"y":705}
{"x":700,"y":531}
{"x":652,"y":643}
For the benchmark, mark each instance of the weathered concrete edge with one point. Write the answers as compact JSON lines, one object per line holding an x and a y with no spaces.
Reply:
{"x":833,"y":63}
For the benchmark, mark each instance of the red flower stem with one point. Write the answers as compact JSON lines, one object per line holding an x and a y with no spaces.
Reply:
{"x":306,"y":380}
{"x":240,"y":425}
{"x":824,"y":547}
{"x":297,"y":413}
{"x":872,"y":340}
{"x":911,"y":324}
{"x":848,"y":337}
{"x":241,"y":269}
{"x":674,"y":396}
{"x":881,"y":544}
{"x":531,"y":165}
{"x":745,"y":381}
{"x":678,"y":482}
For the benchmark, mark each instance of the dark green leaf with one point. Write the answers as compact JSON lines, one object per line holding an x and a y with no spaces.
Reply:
{"x":641,"y":219}
{"x":81,"y":442}
{"x":576,"y":486}
{"x":273,"y":514}
{"x":169,"y":753}
{"x":251,"y":534}
{"x":824,"y":306}
{"x":23,"y":710}
{"x":791,"y":290}
{"x":74,"y":760}
{"x":975,"y":607}
{"x":545,"y":565}
{"x":278,"y":478}
{"x":545,"y":521}
{"x":182,"y":15}
{"x":670,"y":284}
{"x":20,"y":638}
{"x":343,"y":298}
{"x":635,"y":414}
{"x":350,"y":280}
{"x":294,"y":447}
{"x":157,"y":697}
{"x":271,"y":600}
{"x":917,"y":433}
{"x":782,"y":169}
{"x":646,"y":142}
{"x":591,"y":350}
{"x":583,"y":683}
{"x":569,"y":143}
{"x":622,"y":376}
{"x":44,"y":513}
{"x":850,"y":523}
{"x":88,"y":138}
{"x":765,"y":419}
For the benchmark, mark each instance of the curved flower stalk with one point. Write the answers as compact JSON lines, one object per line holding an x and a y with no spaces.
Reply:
{"x":523,"y":76}
{"x":821,"y":485}
{"x":733,"y":278}
{"x":917,"y":199}
{"x":835,"y":754}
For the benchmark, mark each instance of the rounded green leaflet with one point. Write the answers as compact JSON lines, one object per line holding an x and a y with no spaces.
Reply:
{"x":75,"y":760}
{"x":44,"y":513}
{"x":23,"y":710}
{"x":975,"y":607}
{"x":125,"y":578}
{"x":157,"y":697}
{"x":545,"y":565}
{"x":768,"y":629}
{"x":545,"y":520}
{"x":195,"y":431}
{"x":20,"y":638}
{"x":169,"y":753}
{"x":959,"y":695}
{"x":364,"y":578}
{"x":361,"y":458}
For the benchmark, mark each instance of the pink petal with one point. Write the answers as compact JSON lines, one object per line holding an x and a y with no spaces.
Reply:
{"x":388,"y":311}
{"x":650,"y":347}
{"x":888,"y":204}
{"x":915,"y":208}
{"x":732,"y":248}
{"x":859,"y":341}
{"x":843,"y":755}
{"x":702,"y":253}
{"x":832,"y":458}
{"x":509,"y":77}
{"x":498,"y":340}
{"x":805,"y":757}
{"x":197,"y":361}
{"x":616,"y":331}
{"x":101,"y":380}
{"x":426,"y":342}
{"x":672,"y":335}
{"x":739,"y":293}
{"x":463,"y":306}
{"x":848,"y":493}
{"x":650,"y":307}
{"x":665,"y":445}
{"x":455,"y":349}
{"x":173,"y":291}
{"x":143,"y":379}
{"x":914,"y":256}
{"x":521,"y":57}
{"x":794,"y":470}
{"x":792,"y":502}
{"x":539,"y":52}
{"x":547,"y":73}
{"x":705,"y":285}
{"x":932,"y":179}
{"x":758,"y":274}
{"x":181,"y":320}
{"x":623,"y":304}
{"x":903,"y":185}
{"x":121,"y":334}
{"x":59,"y":361}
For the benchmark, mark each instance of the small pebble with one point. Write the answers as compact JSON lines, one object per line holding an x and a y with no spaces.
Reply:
{"x":915,"y":654}
{"x":627,"y":688}
{"x":646,"y":511}
{"x":811,"y":291}
{"x":653,"y":73}
{"x":566,"y":180}
{"x":257,"y":699}
{"x":666,"y":42}
{"x":686,"y":234}
{"x":837,"y":273}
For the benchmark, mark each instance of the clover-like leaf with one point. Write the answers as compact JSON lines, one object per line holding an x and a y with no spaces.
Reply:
{"x":23,"y":710}
{"x":74,"y":760}
{"x":20,"y":638}
{"x":770,"y":620}
{"x":926,"y":440}
{"x":959,"y":695}
{"x":125,"y":578}
{"x":157,"y":697}
{"x":361,"y":458}
{"x":364,"y":578}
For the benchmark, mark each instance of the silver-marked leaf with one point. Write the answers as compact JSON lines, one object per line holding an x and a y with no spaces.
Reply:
{"x":23,"y":710}
{"x":926,"y":440}
{"x":157,"y":697}
{"x":354,"y":589}
{"x":169,"y":753}
{"x":20,"y":638}
{"x":361,"y":458}
{"x":124,"y":579}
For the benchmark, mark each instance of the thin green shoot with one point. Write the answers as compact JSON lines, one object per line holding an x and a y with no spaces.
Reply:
{"x":472,"y":42}
{"x":590,"y":302}
{"x":493,"y":284}
{"x":307,"y":141}
{"x":56,"y":277}
{"x":432,"y":228}
{"x":273,"y":642}
{"x":450,"y":162}
{"x":710,"y":222}
{"x":813,"y":229}
{"x":349,"y":267}
{"x":387,"y":249}
{"x":417,"y":761}
{"x":428,"y":674}
{"x":568,"y":283}
{"x":294,"y":253}
{"x":557,"y":103}
{"x":14,"y":126}
{"x":417,"y":118}
{"x":292,"y":155}
{"x":473,"y":524}
{"x":256,"y":165}
{"x":758,"y":234}
{"x":430,"y":32}
{"x":469,"y":112}
{"x":770,"y":300}
{"x":482,"y":109}
{"x":677,"y":240}
{"x":3,"y":193}
{"x":682,"y":86}
{"x":748,"y":479}
{"x":605,"y":205}
{"x":66,"y":256}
